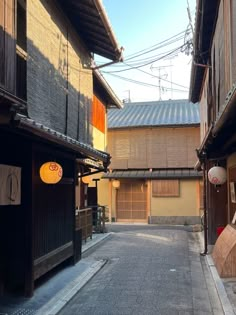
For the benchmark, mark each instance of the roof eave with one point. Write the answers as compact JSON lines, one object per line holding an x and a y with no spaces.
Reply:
{"x":156,"y":126}
{"x":39,"y":130}
{"x":91,"y":23}
{"x":203,"y":36}
{"x":112,"y":98}
{"x":109,"y":30}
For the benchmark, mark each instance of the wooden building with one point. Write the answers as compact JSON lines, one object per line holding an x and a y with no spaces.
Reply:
{"x":213,"y":79}
{"x":152,"y":145}
{"x":48,"y":113}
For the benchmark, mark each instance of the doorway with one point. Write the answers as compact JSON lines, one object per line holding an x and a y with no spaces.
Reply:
{"x":131,"y":201}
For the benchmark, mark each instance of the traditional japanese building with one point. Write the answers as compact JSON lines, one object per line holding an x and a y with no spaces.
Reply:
{"x":49,"y":93}
{"x":152,"y":145}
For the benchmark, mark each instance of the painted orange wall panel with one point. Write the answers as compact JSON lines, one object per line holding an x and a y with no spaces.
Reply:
{"x":98,"y":114}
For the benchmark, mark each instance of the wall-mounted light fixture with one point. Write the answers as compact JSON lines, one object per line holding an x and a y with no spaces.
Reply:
{"x":86,"y":179}
{"x":116,"y":183}
{"x":51,"y":172}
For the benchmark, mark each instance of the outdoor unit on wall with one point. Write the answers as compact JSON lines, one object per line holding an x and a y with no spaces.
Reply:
{"x":10,"y":183}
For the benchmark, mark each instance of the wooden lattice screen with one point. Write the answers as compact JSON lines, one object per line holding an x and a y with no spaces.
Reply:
{"x":132,"y":201}
{"x":165,"y":188}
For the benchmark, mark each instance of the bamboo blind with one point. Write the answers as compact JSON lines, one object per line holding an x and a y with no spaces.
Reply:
{"x":153,"y":148}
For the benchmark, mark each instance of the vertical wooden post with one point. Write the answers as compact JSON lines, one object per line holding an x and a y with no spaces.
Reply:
{"x":29,"y":209}
{"x":110,"y":199}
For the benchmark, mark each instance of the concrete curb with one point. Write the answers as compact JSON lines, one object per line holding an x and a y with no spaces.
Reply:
{"x":89,"y":244}
{"x":65,"y":295}
{"x":227,"y":307}
{"x":225,"y":302}
{"x":55,"y":305}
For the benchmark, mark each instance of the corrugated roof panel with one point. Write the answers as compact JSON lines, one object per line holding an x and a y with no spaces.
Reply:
{"x":155,"y":113}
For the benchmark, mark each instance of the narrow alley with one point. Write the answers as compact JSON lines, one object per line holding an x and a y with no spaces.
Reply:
{"x":148,"y":270}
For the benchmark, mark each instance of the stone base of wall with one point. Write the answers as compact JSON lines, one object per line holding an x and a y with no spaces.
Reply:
{"x":174,"y":220}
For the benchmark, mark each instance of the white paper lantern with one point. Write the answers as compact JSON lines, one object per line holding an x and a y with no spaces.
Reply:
{"x":217,"y":175}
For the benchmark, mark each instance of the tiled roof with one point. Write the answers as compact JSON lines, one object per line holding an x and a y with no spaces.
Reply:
{"x":155,"y":113}
{"x":154,"y":174}
{"x":38,"y":129}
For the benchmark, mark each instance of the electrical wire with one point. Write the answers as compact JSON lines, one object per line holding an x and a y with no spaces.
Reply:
{"x":146,"y":84}
{"x":132,"y":58}
{"x":156,"y":45}
{"x":174,"y":51}
{"x":163,"y":79}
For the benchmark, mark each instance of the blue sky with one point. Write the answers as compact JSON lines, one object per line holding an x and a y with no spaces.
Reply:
{"x":140,"y":25}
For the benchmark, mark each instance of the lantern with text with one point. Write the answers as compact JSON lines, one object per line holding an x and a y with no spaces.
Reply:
{"x":51,"y":172}
{"x":217,"y":175}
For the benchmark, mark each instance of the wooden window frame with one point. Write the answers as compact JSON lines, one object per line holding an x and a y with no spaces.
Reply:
{"x":162,"y":188}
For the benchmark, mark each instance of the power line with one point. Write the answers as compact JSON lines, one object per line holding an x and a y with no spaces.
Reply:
{"x":153,"y":49}
{"x":174,"y":51}
{"x":152,"y":58}
{"x":155,"y":76}
{"x":159,"y":43}
{"x":144,"y":83}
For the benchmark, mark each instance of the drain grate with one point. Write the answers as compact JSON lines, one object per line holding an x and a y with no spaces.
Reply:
{"x":24,"y":311}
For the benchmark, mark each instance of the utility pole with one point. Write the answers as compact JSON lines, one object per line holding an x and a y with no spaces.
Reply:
{"x":160,"y":77}
{"x":127,"y":100}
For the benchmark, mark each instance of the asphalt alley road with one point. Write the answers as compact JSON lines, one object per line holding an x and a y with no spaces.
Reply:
{"x":148,"y":270}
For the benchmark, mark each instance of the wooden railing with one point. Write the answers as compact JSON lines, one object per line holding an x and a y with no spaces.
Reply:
{"x":84,"y":221}
{"x":99,"y":218}
{"x":91,"y":219}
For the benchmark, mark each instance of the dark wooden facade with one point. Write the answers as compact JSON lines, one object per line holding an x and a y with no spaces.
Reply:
{"x":39,"y":233}
{"x":213,"y":86}
{"x":39,"y":122}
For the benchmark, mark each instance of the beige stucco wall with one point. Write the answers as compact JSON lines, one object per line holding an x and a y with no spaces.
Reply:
{"x":99,"y":139}
{"x":186,"y":204}
{"x":107,"y":197}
